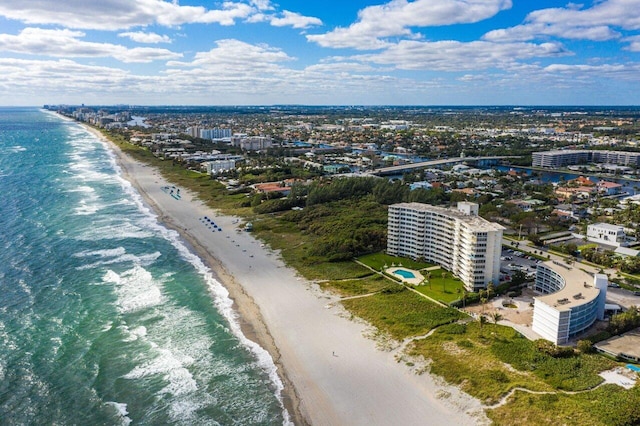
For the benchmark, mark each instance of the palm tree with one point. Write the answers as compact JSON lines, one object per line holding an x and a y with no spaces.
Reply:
{"x":483,"y":300}
{"x":496,"y":316}
{"x":483,"y":321}
{"x":491,"y":289}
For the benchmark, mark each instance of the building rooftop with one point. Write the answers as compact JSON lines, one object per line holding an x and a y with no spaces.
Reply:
{"x":608,"y":226}
{"x":627,"y":344}
{"x":477,"y":222}
{"x":578,"y":290}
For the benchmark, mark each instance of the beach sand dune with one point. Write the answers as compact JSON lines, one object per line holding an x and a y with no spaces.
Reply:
{"x":333,"y":374}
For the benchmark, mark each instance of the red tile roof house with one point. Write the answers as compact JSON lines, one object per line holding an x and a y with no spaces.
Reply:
{"x":283,"y":187}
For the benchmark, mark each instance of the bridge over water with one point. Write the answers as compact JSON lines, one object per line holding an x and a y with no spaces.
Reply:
{"x":393,"y":170}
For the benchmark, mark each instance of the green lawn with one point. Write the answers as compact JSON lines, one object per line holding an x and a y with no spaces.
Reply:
{"x":378,"y":260}
{"x":445,"y":289}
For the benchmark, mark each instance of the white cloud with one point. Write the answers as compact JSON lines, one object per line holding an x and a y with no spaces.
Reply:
{"x":375,"y":23}
{"x":142,"y":37}
{"x":236,"y":56}
{"x":634,"y":43}
{"x":629,"y":72}
{"x":453,"y":56}
{"x":295,"y":20}
{"x":341,"y":67}
{"x":262,"y":4}
{"x":22,"y":79}
{"x":121,"y":14}
{"x":573,"y":22}
{"x":67,"y":44}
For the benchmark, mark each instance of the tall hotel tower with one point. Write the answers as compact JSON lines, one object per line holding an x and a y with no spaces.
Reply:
{"x":458,"y":240}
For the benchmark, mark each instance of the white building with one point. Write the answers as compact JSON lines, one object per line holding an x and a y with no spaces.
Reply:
{"x":222,"y":163}
{"x":458,"y":240}
{"x":563,"y":158}
{"x":215,"y":133}
{"x":251,"y":143}
{"x":607,"y":234}
{"x":572,"y":301}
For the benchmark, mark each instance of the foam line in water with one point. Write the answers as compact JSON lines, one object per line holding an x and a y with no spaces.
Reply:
{"x":221,"y":298}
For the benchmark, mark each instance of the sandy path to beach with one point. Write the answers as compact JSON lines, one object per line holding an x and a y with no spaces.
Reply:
{"x":333,"y":375}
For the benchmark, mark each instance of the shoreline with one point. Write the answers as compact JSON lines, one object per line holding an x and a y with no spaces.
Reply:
{"x":331,"y":373}
{"x":247,"y":312}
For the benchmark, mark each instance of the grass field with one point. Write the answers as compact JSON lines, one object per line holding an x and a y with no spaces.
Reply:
{"x":401,"y":313}
{"x":378,"y":260}
{"x":356,"y":287}
{"x":445,"y":289}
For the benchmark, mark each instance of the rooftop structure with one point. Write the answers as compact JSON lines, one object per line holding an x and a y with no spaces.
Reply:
{"x":458,"y":240}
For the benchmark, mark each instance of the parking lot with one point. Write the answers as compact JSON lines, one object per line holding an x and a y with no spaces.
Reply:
{"x":512,"y":260}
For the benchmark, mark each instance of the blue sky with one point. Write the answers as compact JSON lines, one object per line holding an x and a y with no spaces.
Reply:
{"x":330,"y":52}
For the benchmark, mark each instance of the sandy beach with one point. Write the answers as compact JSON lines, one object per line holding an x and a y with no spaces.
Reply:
{"x":333,"y":374}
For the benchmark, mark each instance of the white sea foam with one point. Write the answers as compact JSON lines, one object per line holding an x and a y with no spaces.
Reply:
{"x":122,"y":412}
{"x":180,"y":381}
{"x":82,"y":188}
{"x":119,"y":251}
{"x":142,"y":260}
{"x":122,"y":231}
{"x":136,"y":289}
{"x":131,"y":335}
{"x":173,"y":369}
{"x":13,"y":149}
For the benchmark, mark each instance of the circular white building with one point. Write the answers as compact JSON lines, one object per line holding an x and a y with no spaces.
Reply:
{"x":572,"y":300}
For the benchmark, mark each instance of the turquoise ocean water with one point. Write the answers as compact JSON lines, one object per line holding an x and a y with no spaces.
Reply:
{"x":105,"y":316}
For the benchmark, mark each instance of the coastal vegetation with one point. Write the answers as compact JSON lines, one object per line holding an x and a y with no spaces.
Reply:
{"x":321,"y":226}
{"x":542,"y":385}
{"x":401,"y":313}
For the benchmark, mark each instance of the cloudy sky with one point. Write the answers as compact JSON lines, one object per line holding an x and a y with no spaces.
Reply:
{"x":345,"y":52}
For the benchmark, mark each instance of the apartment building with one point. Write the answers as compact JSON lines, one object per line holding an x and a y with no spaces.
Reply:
{"x":568,"y":157}
{"x":570,"y":303}
{"x":251,"y":143}
{"x":456,"y":239}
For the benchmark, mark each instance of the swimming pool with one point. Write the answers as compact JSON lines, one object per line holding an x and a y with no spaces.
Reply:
{"x":633,"y":368}
{"x":404,"y":273}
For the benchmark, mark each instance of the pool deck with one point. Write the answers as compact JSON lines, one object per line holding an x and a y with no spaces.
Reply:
{"x":417,"y":279}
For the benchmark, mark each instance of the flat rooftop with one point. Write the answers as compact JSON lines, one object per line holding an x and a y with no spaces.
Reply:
{"x":578,"y":290}
{"x":478,"y":223}
{"x":628,"y":344}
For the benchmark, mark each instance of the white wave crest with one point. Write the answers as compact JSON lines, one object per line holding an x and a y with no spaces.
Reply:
{"x":136,"y":289}
{"x":220,"y":295}
{"x":121,"y":410}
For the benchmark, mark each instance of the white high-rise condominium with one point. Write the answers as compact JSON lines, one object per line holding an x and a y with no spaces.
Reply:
{"x":458,"y":240}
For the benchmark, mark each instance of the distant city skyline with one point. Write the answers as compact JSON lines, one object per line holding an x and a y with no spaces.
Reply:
{"x":359,"y":52}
